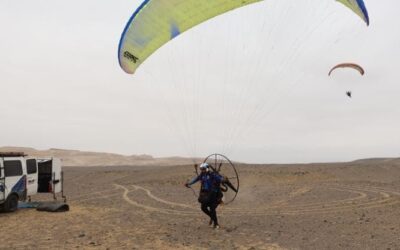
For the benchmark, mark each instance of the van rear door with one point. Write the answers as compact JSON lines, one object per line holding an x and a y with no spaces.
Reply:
{"x":56,"y":176}
{"x":49,"y":175}
{"x":2,"y":184}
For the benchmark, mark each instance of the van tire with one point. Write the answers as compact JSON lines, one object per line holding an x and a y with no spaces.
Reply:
{"x":11,"y":204}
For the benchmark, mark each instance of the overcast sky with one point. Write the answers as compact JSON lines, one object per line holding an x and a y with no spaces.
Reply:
{"x":251,"y":83}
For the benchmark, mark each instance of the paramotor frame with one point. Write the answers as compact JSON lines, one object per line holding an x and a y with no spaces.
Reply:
{"x":223,"y":166}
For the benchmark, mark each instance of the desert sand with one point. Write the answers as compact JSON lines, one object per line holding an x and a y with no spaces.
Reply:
{"x":353,"y":205}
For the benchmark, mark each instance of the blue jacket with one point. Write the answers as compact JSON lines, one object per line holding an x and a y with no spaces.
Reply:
{"x":210,"y":181}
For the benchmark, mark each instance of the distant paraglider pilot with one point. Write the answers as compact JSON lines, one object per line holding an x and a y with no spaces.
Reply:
{"x":210,"y":192}
{"x":348,"y":93}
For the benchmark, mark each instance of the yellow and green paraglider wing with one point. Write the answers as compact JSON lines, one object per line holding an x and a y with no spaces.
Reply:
{"x":156,"y":22}
{"x":358,"y":7}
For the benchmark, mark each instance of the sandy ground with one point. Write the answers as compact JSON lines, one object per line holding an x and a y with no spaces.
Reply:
{"x":320,"y":206}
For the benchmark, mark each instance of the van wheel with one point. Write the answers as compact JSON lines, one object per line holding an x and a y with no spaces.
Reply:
{"x":11,"y":203}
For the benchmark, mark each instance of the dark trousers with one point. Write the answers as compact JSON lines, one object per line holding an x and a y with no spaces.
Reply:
{"x":209,"y":206}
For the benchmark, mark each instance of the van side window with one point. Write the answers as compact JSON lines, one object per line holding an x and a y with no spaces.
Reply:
{"x":31,"y":166}
{"x":12,"y":168}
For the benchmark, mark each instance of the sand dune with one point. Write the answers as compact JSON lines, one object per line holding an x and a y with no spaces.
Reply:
{"x":90,"y":159}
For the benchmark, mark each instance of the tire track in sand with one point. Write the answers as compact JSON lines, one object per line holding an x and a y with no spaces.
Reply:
{"x":93,"y":195}
{"x":150,"y":208}
{"x":150,"y":194}
{"x":368,"y":197}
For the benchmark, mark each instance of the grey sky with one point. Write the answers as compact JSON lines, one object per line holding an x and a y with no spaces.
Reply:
{"x":62,"y":86}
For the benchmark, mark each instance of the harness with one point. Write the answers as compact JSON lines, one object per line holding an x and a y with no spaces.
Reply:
{"x":215,"y":185}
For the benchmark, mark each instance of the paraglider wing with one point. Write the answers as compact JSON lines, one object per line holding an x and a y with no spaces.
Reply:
{"x":358,"y":7}
{"x":348,"y":65}
{"x":156,"y":22}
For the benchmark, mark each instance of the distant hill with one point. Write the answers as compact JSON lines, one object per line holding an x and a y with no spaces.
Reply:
{"x":79,"y":158}
{"x":83,"y":158}
{"x":377,"y":160}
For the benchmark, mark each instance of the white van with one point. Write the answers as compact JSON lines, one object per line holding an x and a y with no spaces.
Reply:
{"x":22,"y":176}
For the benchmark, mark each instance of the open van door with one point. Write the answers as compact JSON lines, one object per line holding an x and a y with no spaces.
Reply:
{"x":49,"y":175}
{"x":57,"y":176}
{"x":2,"y":183}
